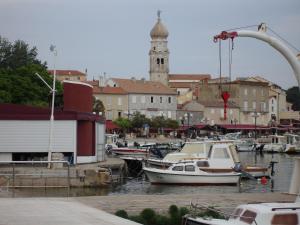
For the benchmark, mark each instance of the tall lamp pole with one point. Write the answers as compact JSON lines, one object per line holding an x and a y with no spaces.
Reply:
{"x":187,"y":116}
{"x":52,"y":49}
{"x":255,"y":115}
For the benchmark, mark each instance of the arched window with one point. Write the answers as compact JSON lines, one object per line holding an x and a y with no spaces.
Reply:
{"x":162,"y":60}
{"x":157,"y":61}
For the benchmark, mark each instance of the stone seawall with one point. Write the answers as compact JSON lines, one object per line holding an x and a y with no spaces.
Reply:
{"x":83,"y":175}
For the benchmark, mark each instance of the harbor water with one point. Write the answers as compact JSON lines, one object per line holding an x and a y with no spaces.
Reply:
{"x":280,"y":182}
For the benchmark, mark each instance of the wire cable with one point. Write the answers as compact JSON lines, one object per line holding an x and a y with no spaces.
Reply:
{"x":283,"y":39}
{"x":220,"y":63}
{"x":239,"y":28}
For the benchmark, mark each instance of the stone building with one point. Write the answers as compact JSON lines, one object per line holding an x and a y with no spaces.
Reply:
{"x":190,"y":113}
{"x":72,"y":75}
{"x":185,"y":83}
{"x":277,"y":99}
{"x":114,"y":99}
{"x":214,"y":112}
{"x":251,"y":97}
{"x":147,"y":97}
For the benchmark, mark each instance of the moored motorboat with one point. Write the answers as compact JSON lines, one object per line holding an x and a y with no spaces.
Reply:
{"x":275,"y":213}
{"x":245,"y":145}
{"x":277,"y":144}
{"x":193,"y":172}
{"x":292,"y":143}
{"x":130,"y":151}
{"x":262,"y":213}
{"x":210,"y":150}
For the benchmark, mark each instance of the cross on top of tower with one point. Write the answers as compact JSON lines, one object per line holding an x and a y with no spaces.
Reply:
{"x":158,"y":13}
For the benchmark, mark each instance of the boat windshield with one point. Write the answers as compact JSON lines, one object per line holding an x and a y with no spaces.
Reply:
{"x":237,"y":212}
{"x":234,"y":154}
{"x":220,"y":153}
{"x":248,"y":216}
{"x":198,"y":148}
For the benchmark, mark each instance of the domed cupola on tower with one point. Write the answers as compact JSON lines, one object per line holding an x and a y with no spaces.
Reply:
{"x":159,"y":30}
{"x":159,"y":53}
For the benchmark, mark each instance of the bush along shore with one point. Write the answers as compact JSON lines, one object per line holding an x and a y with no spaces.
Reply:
{"x":174,"y":217}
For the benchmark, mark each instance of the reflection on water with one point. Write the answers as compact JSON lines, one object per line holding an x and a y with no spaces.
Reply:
{"x":280,"y":183}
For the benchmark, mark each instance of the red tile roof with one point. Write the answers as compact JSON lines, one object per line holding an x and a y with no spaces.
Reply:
{"x":109,"y":90}
{"x":67,"y":72}
{"x":189,"y":76}
{"x":143,"y":86}
{"x":181,"y":84}
{"x":92,"y":82}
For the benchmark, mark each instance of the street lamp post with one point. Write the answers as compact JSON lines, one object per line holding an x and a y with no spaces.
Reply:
{"x":255,"y":115}
{"x":235,"y":121}
{"x":187,"y":116}
{"x":52,"y":49}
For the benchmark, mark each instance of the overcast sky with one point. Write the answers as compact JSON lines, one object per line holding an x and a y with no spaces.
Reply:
{"x":113,"y":36}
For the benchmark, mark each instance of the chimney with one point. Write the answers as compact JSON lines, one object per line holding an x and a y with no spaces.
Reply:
{"x":143,"y":80}
{"x":101,"y":81}
{"x":104,"y":79}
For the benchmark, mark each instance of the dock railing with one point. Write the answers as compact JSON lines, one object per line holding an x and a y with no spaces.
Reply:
{"x":34,"y":174}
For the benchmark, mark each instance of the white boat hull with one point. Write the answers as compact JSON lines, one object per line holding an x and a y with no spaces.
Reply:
{"x":276,"y":148}
{"x":130,"y":152}
{"x":159,"y":176}
{"x":292,"y":149}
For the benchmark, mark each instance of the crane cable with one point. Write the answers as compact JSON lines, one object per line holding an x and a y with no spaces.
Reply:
{"x":230,"y":48}
{"x":220,"y":65}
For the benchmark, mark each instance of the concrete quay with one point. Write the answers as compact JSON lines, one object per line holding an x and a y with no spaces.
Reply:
{"x":134,"y":204}
{"x":54,"y":211}
{"x":97,"y":209}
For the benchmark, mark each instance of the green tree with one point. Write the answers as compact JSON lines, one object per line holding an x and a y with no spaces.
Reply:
{"x":98,"y":106}
{"x":18,"y":82}
{"x":123,"y":123}
{"x":172,"y":123}
{"x":138,"y":120}
{"x":293,"y":96}
{"x":158,"y":122}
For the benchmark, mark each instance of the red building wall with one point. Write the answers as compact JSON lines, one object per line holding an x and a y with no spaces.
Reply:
{"x":78,"y":97}
{"x":85,"y":139}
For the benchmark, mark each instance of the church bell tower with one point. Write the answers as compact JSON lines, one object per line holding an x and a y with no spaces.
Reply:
{"x":159,"y":53}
